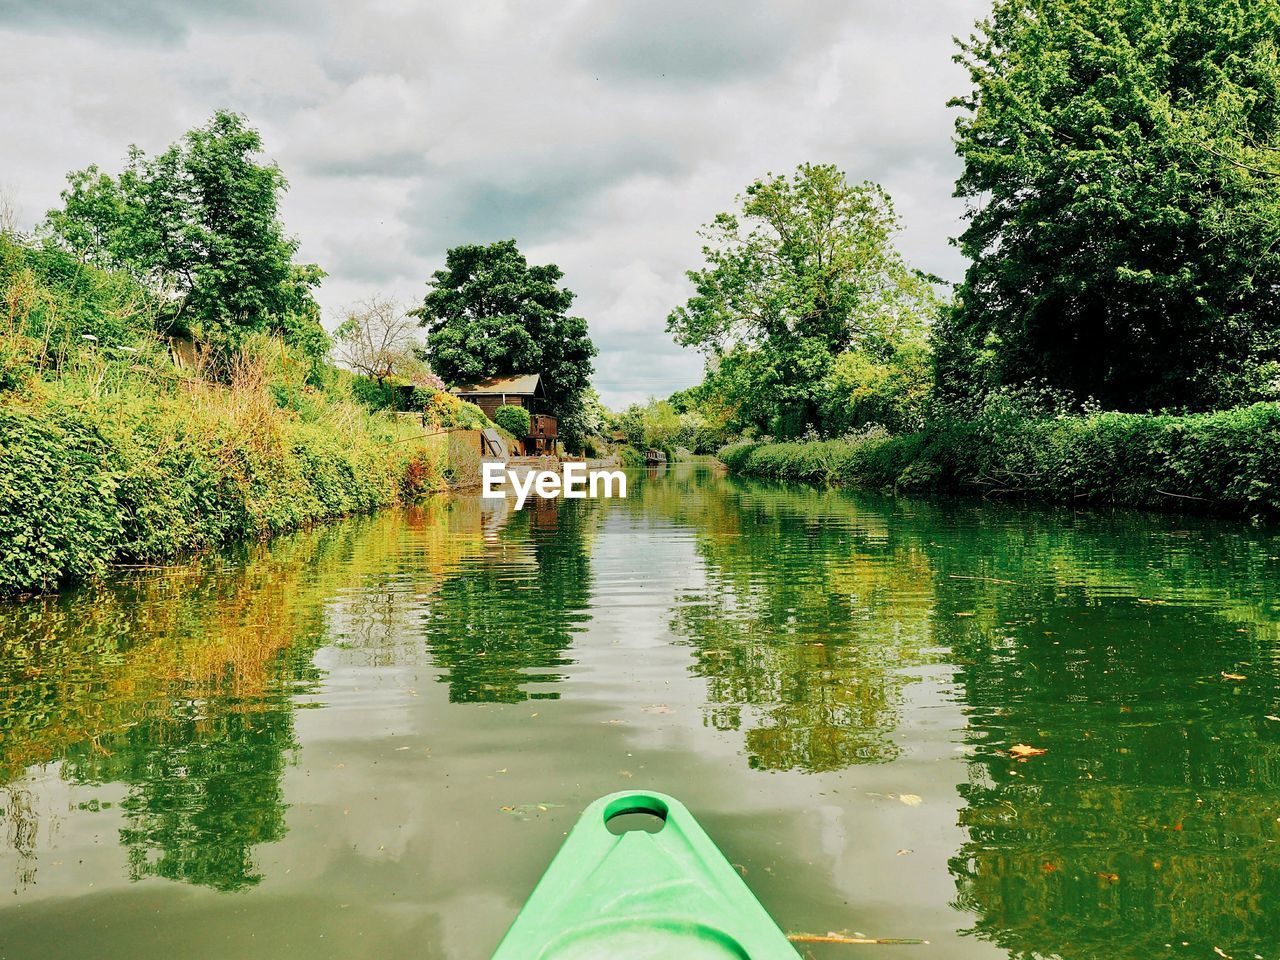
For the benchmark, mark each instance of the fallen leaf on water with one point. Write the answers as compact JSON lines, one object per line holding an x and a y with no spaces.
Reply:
{"x":1049,"y":867}
{"x":523,"y":811}
{"x":904,"y":851}
{"x":911,"y":799}
{"x":1222,"y":953}
{"x":1233,"y":676}
{"x":1021,"y":751}
{"x":1109,"y":877}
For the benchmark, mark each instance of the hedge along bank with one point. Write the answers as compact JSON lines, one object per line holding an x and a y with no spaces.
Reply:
{"x":1222,"y":462}
{"x":83,"y":490}
{"x":573,"y":482}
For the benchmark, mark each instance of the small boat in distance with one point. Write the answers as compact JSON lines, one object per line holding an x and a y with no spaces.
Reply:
{"x":638,"y":878}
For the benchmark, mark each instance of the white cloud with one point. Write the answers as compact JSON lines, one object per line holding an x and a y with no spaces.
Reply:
{"x":598,"y":133}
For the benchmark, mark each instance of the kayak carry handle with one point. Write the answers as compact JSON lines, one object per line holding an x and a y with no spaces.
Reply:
{"x":646,"y":805}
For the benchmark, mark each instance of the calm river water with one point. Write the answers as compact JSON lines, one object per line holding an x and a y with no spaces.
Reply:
{"x":367,"y":740}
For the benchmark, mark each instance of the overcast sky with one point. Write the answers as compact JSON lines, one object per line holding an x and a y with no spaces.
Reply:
{"x":598,"y":133}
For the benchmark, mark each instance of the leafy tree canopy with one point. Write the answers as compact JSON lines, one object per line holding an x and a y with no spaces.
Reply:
{"x":1121,"y":158}
{"x":805,"y":271}
{"x":489,"y":313}
{"x":200,"y":224}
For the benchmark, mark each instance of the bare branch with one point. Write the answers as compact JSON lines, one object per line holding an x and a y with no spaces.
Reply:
{"x":376,"y":338}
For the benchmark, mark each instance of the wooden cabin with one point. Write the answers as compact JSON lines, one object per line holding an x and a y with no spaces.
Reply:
{"x":524,"y":390}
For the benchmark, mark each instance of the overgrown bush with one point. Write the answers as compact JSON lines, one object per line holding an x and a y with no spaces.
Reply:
{"x":52,"y":306}
{"x":1221,"y":461}
{"x":515,"y":420}
{"x":119,"y":457}
{"x":59,"y":516}
{"x":629,"y":456}
{"x":374,"y":395}
{"x":892,"y":391}
{"x":444,"y":411}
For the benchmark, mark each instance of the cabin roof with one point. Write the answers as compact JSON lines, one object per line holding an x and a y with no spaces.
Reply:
{"x":525,"y":384}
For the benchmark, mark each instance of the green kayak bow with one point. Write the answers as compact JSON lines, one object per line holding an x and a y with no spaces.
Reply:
{"x":638,"y":895}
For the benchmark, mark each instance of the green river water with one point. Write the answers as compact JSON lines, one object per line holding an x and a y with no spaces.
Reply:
{"x":368,"y":739}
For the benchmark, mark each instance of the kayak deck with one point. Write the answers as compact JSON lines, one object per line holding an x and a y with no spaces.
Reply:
{"x":637,"y":895}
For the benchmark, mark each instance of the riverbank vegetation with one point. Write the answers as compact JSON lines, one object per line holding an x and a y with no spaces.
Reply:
{"x":165,"y":383}
{"x":113,"y":453}
{"x":1222,"y":460}
{"x":1117,"y":334}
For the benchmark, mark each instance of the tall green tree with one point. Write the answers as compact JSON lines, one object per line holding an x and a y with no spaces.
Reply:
{"x":804,"y":271}
{"x":199,"y":223}
{"x":1120,"y":157}
{"x":489,"y":313}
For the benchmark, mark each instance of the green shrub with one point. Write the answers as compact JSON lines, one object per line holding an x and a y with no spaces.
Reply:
{"x":444,"y":411}
{"x":61,"y":305}
{"x":59,"y":516}
{"x":861,"y":390}
{"x":1221,"y":461}
{"x":629,"y":456}
{"x":515,"y":420}
{"x":374,"y":395}
{"x":109,"y":462}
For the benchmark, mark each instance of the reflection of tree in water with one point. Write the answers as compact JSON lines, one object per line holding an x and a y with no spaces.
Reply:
{"x":808,"y":620}
{"x":1152,"y":818}
{"x":179,"y":685}
{"x":1102,"y":638}
{"x":22,"y":825}
{"x":204,"y":790}
{"x":505,"y":618}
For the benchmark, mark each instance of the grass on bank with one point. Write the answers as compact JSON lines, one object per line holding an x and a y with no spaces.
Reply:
{"x":111,"y":453}
{"x":1223,"y":461}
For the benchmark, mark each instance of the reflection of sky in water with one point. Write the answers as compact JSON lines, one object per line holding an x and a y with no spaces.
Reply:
{"x":374,"y":735}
